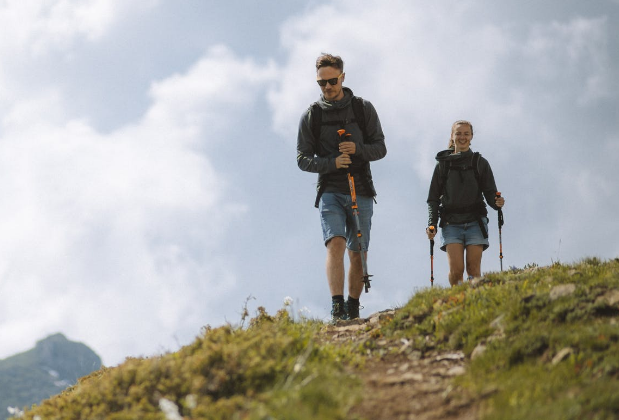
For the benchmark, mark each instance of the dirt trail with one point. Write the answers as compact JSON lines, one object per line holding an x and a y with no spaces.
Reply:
{"x":402,"y":384}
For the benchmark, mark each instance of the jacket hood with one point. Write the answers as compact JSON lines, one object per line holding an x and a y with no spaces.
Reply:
{"x":449,"y":155}
{"x":342,"y":103}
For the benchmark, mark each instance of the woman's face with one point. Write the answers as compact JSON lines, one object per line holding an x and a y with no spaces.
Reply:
{"x":462,"y":136}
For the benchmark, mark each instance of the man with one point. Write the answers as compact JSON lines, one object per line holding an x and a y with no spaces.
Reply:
{"x":320,"y":149}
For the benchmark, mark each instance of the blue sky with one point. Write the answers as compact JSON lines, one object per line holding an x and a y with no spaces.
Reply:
{"x":147,"y":152}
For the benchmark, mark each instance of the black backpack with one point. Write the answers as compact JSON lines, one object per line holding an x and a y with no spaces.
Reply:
{"x":316,"y":123}
{"x":357,"y":109}
{"x":474,"y":165}
{"x":480,"y":207}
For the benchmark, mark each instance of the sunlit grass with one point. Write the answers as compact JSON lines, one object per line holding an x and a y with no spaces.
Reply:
{"x":547,"y":338}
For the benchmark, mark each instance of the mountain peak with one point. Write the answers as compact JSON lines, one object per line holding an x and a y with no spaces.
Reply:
{"x":53,"y":364}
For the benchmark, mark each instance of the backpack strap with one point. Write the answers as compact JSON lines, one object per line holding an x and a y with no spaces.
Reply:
{"x":446,"y":168}
{"x":358,"y":110}
{"x":316,"y":120}
{"x":475,"y":165}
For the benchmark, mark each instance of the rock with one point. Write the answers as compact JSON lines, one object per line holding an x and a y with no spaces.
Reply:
{"x":357,"y":327}
{"x":478,"y":351}
{"x":497,"y":324}
{"x":611,"y":298}
{"x":562,"y":290}
{"x":456,"y":371}
{"x":451,"y":356}
{"x":562,"y":355}
{"x":383,"y":316}
{"x":399,"y":379}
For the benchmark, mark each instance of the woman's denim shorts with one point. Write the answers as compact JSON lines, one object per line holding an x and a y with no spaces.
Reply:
{"x":337,"y":219}
{"x":465,"y":234}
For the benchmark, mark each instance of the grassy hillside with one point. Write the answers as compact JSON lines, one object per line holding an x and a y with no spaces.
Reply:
{"x":541,"y":343}
{"x":544,"y":342}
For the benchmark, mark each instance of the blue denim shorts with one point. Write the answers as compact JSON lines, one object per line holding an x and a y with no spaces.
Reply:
{"x":337,"y":219}
{"x":465,"y":234}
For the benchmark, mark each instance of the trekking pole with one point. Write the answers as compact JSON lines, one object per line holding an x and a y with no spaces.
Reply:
{"x":355,"y":212}
{"x":501,"y":221}
{"x":431,"y":258}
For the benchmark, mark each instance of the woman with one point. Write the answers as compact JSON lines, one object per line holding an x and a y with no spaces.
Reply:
{"x":461,"y":181}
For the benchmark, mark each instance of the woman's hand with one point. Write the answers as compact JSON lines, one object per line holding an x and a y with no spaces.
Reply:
{"x":431,"y":232}
{"x":499,"y":201}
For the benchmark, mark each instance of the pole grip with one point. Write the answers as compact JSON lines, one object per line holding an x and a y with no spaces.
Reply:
{"x":431,"y":228}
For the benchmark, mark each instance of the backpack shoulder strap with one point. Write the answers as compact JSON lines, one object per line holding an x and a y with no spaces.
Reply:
{"x":475,"y":165}
{"x":315,"y":120}
{"x":445,"y":167}
{"x":358,"y":110}
{"x":443,"y":172}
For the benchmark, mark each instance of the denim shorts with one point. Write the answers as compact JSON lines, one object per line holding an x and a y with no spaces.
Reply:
{"x":337,"y":219}
{"x":465,"y":234}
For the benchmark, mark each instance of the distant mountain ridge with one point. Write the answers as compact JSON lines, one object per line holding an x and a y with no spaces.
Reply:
{"x":51,"y":366}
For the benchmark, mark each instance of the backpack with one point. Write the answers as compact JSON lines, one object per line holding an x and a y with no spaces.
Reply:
{"x":479,"y":208}
{"x":358,"y":111}
{"x":445,"y":169}
{"x":316,"y":123}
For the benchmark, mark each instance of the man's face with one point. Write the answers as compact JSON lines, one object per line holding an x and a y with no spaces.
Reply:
{"x":331,"y":92}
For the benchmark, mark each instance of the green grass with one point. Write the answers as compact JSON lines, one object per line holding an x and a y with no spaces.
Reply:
{"x":524,"y":325}
{"x":272,"y":369}
{"x":276,"y":368}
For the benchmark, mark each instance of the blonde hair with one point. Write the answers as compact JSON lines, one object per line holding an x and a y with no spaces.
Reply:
{"x":451,"y":144}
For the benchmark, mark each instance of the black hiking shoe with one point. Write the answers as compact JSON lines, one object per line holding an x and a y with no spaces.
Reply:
{"x":338,"y":311}
{"x":352,"y":308}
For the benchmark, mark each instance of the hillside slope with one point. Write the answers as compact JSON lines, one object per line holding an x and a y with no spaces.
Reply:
{"x":523,"y":344}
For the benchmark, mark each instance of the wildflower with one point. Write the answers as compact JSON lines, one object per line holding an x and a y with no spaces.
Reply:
{"x":288,"y":301}
{"x":15,"y":412}
{"x":169,"y":409}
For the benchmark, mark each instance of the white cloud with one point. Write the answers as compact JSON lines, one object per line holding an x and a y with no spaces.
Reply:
{"x":116,"y":237}
{"x":214,"y":90}
{"x":572,"y":52}
{"x":38,"y":27}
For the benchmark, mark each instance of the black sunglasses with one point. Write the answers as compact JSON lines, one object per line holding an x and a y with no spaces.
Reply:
{"x":332,"y":82}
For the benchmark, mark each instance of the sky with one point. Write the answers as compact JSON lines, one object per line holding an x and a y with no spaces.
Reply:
{"x":148,"y":153}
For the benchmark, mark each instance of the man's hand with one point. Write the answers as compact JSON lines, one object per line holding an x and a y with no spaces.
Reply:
{"x":342,"y":161}
{"x":348,"y":147}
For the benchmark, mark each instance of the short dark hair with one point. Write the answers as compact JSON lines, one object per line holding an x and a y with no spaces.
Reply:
{"x":328,"y":60}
